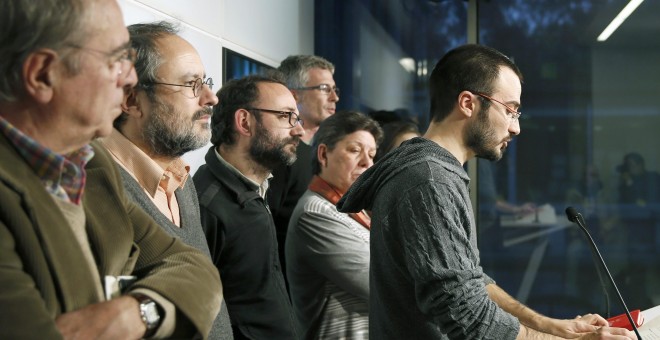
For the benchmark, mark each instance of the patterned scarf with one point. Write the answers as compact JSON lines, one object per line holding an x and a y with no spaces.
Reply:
{"x":323,"y":188}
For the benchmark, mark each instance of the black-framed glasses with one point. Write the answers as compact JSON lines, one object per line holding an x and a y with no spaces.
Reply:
{"x":124,"y":56}
{"x":513,"y":114}
{"x":196,"y":85}
{"x":325,"y":88}
{"x":293,"y":117}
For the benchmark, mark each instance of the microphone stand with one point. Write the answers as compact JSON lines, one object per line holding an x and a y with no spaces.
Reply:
{"x":599,"y":271}
{"x":576,"y":217}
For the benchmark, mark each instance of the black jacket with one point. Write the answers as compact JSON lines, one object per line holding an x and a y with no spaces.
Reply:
{"x":288,"y":184}
{"x":243,"y":245}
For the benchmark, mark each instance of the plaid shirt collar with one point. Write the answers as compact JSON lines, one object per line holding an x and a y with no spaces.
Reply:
{"x":62,"y":175}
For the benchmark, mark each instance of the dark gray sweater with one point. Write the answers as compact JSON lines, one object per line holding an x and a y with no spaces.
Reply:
{"x":425,"y":277}
{"x":190,"y":232}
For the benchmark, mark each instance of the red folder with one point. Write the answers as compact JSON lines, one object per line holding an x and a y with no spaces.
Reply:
{"x":622,"y":320}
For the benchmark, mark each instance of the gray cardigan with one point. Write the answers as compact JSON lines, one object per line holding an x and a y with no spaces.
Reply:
{"x":190,"y":232}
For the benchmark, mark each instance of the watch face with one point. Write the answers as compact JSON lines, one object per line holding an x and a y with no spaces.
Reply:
{"x":150,"y":314}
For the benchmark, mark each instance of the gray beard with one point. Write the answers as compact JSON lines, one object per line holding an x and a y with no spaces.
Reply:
{"x":163,"y":138}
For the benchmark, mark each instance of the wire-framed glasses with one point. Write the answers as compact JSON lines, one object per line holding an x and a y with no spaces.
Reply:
{"x":196,"y":85}
{"x":513,"y":114}
{"x":293,"y":117}
{"x":325,"y":88}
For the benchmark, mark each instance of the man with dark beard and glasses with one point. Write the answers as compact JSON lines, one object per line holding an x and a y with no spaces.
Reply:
{"x":255,"y":128}
{"x":425,"y":278}
{"x":166,"y":115}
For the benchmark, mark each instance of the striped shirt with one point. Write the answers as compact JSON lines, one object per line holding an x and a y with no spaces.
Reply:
{"x":327,"y":254}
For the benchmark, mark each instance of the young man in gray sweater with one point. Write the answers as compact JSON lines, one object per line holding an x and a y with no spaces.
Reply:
{"x":425,"y":278}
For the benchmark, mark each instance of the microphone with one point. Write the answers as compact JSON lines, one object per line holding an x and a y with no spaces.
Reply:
{"x":594,"y":257}
{"x":577,"y":218}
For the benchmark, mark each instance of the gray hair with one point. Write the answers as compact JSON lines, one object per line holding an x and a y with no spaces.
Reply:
{"x":296,"y":68}
{"x":27,"y":26}
{"x":334,"y":128}
{"x":148,"y":58}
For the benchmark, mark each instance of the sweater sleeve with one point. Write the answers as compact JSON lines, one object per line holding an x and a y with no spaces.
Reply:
{"x":449,"y":283}
{"x":331,"y":244}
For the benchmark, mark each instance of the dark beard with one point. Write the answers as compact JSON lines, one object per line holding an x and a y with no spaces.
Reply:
{"x":479,"y":136}
{"x":166,"y":139}
{"x":268,"y":152}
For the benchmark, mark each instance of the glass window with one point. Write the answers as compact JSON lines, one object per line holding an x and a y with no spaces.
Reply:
{"x":588,"y":141}
{"x":237,"y":65}
{"x":384,"y":51}
{"x":588,"y":138}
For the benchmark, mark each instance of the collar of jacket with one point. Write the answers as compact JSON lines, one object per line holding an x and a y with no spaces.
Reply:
{"x":244,"y":193}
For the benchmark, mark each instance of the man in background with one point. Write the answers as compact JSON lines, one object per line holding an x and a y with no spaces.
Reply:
{"x":67,"y":230}
{"x":164,"y":116}
{"x":426,"y":281}
{"x":310,"y":80}
{"x":255,"y":128}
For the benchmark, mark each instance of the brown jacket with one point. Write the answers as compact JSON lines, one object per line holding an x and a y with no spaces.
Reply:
{"x":43,"y":272}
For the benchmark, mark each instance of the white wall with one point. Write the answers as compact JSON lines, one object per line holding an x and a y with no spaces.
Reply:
{"x":265,"y":30}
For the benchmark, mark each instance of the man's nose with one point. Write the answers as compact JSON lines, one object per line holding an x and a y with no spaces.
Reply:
{"x":514,"y":127}
{"x":297,"y":130}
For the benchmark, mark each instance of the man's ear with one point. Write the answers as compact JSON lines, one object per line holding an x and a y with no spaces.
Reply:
{"x":322,"y":155}
{"x":467,"y":103}
{"x":40,"y":74}
{"x":131,"y":103}
{"x":243,"y":120}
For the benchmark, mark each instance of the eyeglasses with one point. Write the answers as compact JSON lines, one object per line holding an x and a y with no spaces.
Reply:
{"x":124,"y":56}
{"x":195,"y":84}
{"x":325,"y":88}
{"x":293,"y":117}
{"x":511,"y":113}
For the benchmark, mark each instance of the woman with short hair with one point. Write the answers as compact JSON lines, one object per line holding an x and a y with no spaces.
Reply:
{"x":327,"y":252}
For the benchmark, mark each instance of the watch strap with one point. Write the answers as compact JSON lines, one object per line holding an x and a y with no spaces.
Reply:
{"x":150,"y":312}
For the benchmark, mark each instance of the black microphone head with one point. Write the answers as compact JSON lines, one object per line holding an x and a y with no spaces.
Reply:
{"x":572,"y":214}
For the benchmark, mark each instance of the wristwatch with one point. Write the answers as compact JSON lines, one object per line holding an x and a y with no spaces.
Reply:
{"x":150,"y":313}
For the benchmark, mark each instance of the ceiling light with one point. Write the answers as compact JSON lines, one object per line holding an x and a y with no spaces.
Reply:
{"x":408,"y":64}
{"x":619,"y":19}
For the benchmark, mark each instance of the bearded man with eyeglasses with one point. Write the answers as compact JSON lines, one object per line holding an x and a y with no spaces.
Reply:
{"x":425,"y":277}
{"x":255,"y":128}
{"x":310,"y":79}
{"x":167,"y":114}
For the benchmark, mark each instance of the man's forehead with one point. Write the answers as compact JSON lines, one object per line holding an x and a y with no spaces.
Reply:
{"x":179,"y":58}
{"x":320,"y":73}
{"x":274,"y":93}
{"x":105,"y":23}
{"x":271,"y":88}
{"x":507,"y":83}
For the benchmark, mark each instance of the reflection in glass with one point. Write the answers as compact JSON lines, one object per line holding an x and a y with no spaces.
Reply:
{"x":588,"y":104}
{"x":585,"y":110}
